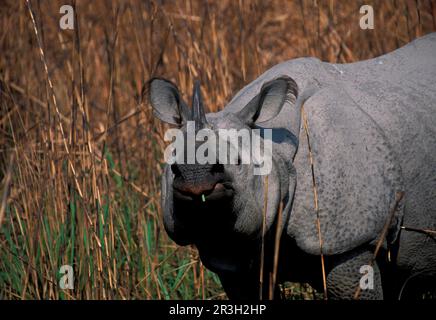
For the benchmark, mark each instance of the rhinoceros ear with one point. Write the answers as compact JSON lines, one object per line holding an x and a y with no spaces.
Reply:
{"x":166,"y":102}
{"x":270,"y":100}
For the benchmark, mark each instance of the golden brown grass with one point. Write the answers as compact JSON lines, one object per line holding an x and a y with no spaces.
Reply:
{"x":80,"y":176}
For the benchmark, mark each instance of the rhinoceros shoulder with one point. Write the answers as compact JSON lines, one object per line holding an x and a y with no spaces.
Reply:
{"x":356,"y":175}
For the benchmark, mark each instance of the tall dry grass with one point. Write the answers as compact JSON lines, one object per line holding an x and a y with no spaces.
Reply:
{"x":80,"y":162}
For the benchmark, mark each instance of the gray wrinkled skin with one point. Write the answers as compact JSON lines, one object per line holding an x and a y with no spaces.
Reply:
{"x":372,"y":130}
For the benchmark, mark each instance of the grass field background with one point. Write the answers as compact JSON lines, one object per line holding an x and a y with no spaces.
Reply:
{"x":80,"y":174}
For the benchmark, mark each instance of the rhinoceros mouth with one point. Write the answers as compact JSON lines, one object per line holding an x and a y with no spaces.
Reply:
{"x":221,"y":191}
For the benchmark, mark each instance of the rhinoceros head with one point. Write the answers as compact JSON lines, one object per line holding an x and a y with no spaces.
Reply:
{"x":213,"y":200}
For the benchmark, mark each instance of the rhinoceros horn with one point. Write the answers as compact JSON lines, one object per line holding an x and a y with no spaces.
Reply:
{"x":198,"y":114}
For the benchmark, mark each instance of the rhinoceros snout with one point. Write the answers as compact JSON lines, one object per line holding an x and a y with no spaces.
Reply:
{"x":200,"y":182}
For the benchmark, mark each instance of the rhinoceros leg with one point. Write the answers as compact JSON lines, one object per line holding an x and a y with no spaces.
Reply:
{"x":346,"y":274}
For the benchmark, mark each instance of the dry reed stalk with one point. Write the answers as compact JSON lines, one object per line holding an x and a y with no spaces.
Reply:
{"x":426,"y":231}
{"x":262,"y":248}
{"x":398,"y":197}
{"x":315,"y":199}
{"x":278,"y":234}
{"x":7,"y":181}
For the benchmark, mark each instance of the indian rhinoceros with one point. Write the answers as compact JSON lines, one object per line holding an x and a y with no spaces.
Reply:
{"x":347,"y":140}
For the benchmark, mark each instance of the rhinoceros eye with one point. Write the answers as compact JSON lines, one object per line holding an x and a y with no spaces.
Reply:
{"x":175,"y":169}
